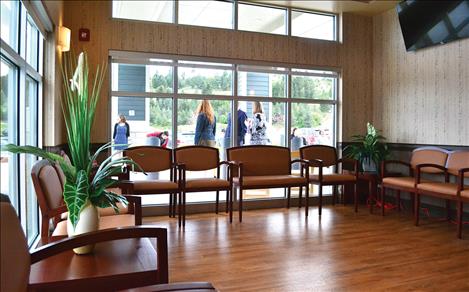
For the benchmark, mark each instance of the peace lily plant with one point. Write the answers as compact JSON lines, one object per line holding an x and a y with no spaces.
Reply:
{"x":85,"y":186}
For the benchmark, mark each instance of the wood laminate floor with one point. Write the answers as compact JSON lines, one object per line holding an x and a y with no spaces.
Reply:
{"x":278,"y":250}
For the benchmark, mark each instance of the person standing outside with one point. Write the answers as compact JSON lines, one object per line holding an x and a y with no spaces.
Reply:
{"x":258,"y":129}
{"x":206,"y":125}
{"x":242,"y":128}
{"x":121,"y":133}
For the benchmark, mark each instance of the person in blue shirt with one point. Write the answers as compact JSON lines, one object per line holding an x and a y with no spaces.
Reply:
{"x":206,"y":125}
{"x":121,"y":133}
{"x":242,"y":128}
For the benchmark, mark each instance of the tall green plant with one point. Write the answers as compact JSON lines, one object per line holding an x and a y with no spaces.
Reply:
{"x":368,"y":148}
{"x":83,"y":183}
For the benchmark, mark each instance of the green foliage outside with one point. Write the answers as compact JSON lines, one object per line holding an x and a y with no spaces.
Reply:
{"x":303,"y":115}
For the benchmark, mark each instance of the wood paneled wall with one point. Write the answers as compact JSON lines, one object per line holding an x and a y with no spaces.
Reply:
{"x":353,"y":56}
{"x":419,"y":97}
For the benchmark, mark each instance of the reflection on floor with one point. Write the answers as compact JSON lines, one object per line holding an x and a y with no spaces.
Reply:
{"x":278,"y":250}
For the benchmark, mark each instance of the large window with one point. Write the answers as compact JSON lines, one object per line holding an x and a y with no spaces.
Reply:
{"x":255,"y":17}
{"x":159,"y":94}
{"x":159,"y":11}
{"x":262,"y":19}
{"x":21,"y":84}
{"x":313,"y":25}
{"x":206,"y":13}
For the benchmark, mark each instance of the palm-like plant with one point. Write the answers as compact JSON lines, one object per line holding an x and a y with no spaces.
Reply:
{"x":83,"y":183}
{"x":368,"y":149}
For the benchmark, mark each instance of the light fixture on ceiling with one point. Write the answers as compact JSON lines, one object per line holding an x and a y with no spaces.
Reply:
{"x":64,"y":39}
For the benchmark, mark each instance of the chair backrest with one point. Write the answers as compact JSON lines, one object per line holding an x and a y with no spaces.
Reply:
{"x":456,"y":161}
{"x":327,"y":154}
{"x":261,"y":159}
{"x":48,"y":186}
{"x":150,"y":158}
{"x":433,"y":155}
{"x":197,"y":158}
{"x":16,"y":262}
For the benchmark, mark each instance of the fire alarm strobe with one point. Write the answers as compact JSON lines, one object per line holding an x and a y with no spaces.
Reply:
{"x":84,"y":35}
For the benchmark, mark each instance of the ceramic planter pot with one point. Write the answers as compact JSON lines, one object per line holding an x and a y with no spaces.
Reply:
{"x":88,"y":222}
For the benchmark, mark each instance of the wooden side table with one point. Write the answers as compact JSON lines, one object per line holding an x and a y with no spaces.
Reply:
{"x":113,"y":265}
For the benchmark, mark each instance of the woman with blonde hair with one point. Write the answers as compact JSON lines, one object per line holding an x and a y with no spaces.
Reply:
{"x":258,"y":129}
{"x":206,"y":125}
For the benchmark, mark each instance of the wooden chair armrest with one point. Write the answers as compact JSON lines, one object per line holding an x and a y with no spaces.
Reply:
{"x":349,"y":161}
{"x":135,"y":207}
{"x":66,"y":244}
{"x":304,"y":166}
{"x":420,"y":166}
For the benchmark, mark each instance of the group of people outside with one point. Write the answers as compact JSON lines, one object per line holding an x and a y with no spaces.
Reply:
{"x":205,"y":129}
{"x":206,"y":125}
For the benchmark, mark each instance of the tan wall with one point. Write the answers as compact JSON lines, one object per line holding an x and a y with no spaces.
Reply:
{"x":353,"y":56}
{"x":419,"y":97}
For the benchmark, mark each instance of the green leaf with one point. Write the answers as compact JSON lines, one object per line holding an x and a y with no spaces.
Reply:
{"x":76,"y":195}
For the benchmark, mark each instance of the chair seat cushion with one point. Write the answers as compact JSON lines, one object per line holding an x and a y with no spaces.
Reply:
{"x":104,"y":223}
{"x":271,"y":180}
{"x":207,"y":183}
{"x":148,"y":186}
{"x":450,"y":189}
{"x":333,"y":178}
{"x":403,"y":182}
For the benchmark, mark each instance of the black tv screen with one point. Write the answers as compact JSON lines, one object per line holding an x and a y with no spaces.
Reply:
{"x":427,"y":23}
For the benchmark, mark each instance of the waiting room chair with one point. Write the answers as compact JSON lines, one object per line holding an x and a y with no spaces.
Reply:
{"x":202,"y":158}
{"x":152,"y":159}
{"x":49,"y":191}
{"x":321,"y":156}
{"x":261,"y":167}
{"x":457,"y":166}
{"x":407,"y":183}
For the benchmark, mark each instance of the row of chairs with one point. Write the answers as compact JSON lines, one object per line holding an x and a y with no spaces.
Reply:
{"x":438,"y":166}
{"x":247,"y":167}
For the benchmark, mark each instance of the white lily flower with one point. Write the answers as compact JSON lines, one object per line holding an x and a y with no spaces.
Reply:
{"x":77,"y":80}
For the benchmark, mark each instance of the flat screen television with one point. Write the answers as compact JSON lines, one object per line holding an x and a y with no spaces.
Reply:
{"x":427,"y":23}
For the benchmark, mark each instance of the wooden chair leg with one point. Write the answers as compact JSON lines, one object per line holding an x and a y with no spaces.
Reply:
{"x":320,"y":201}
{"x":170,"y":213}
{"x":344,"y":201}
{"x":307,"y":200}
{"x":300,"y":197}
{"x":232,"y":194}
{"x":383,"y":193}
{"x":417,"y":209}
{"x":180,"y":210}
{"x":183,"y":209}
{"x":355,"y":197}
{"x":460,"y":212}
{"x":448,"y":210}
{"x":227,"y":201}
{"x":288,"y":197}
{"x":217,"y":201}
{"x":240,"y":205}
{"x":398,"y":197}
{"x":334,"y":195}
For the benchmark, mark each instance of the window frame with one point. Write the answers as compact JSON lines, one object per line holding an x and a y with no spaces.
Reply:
{"x":237,"y":66}
{"x":235,"y":13}
{"x":18,"y":58}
